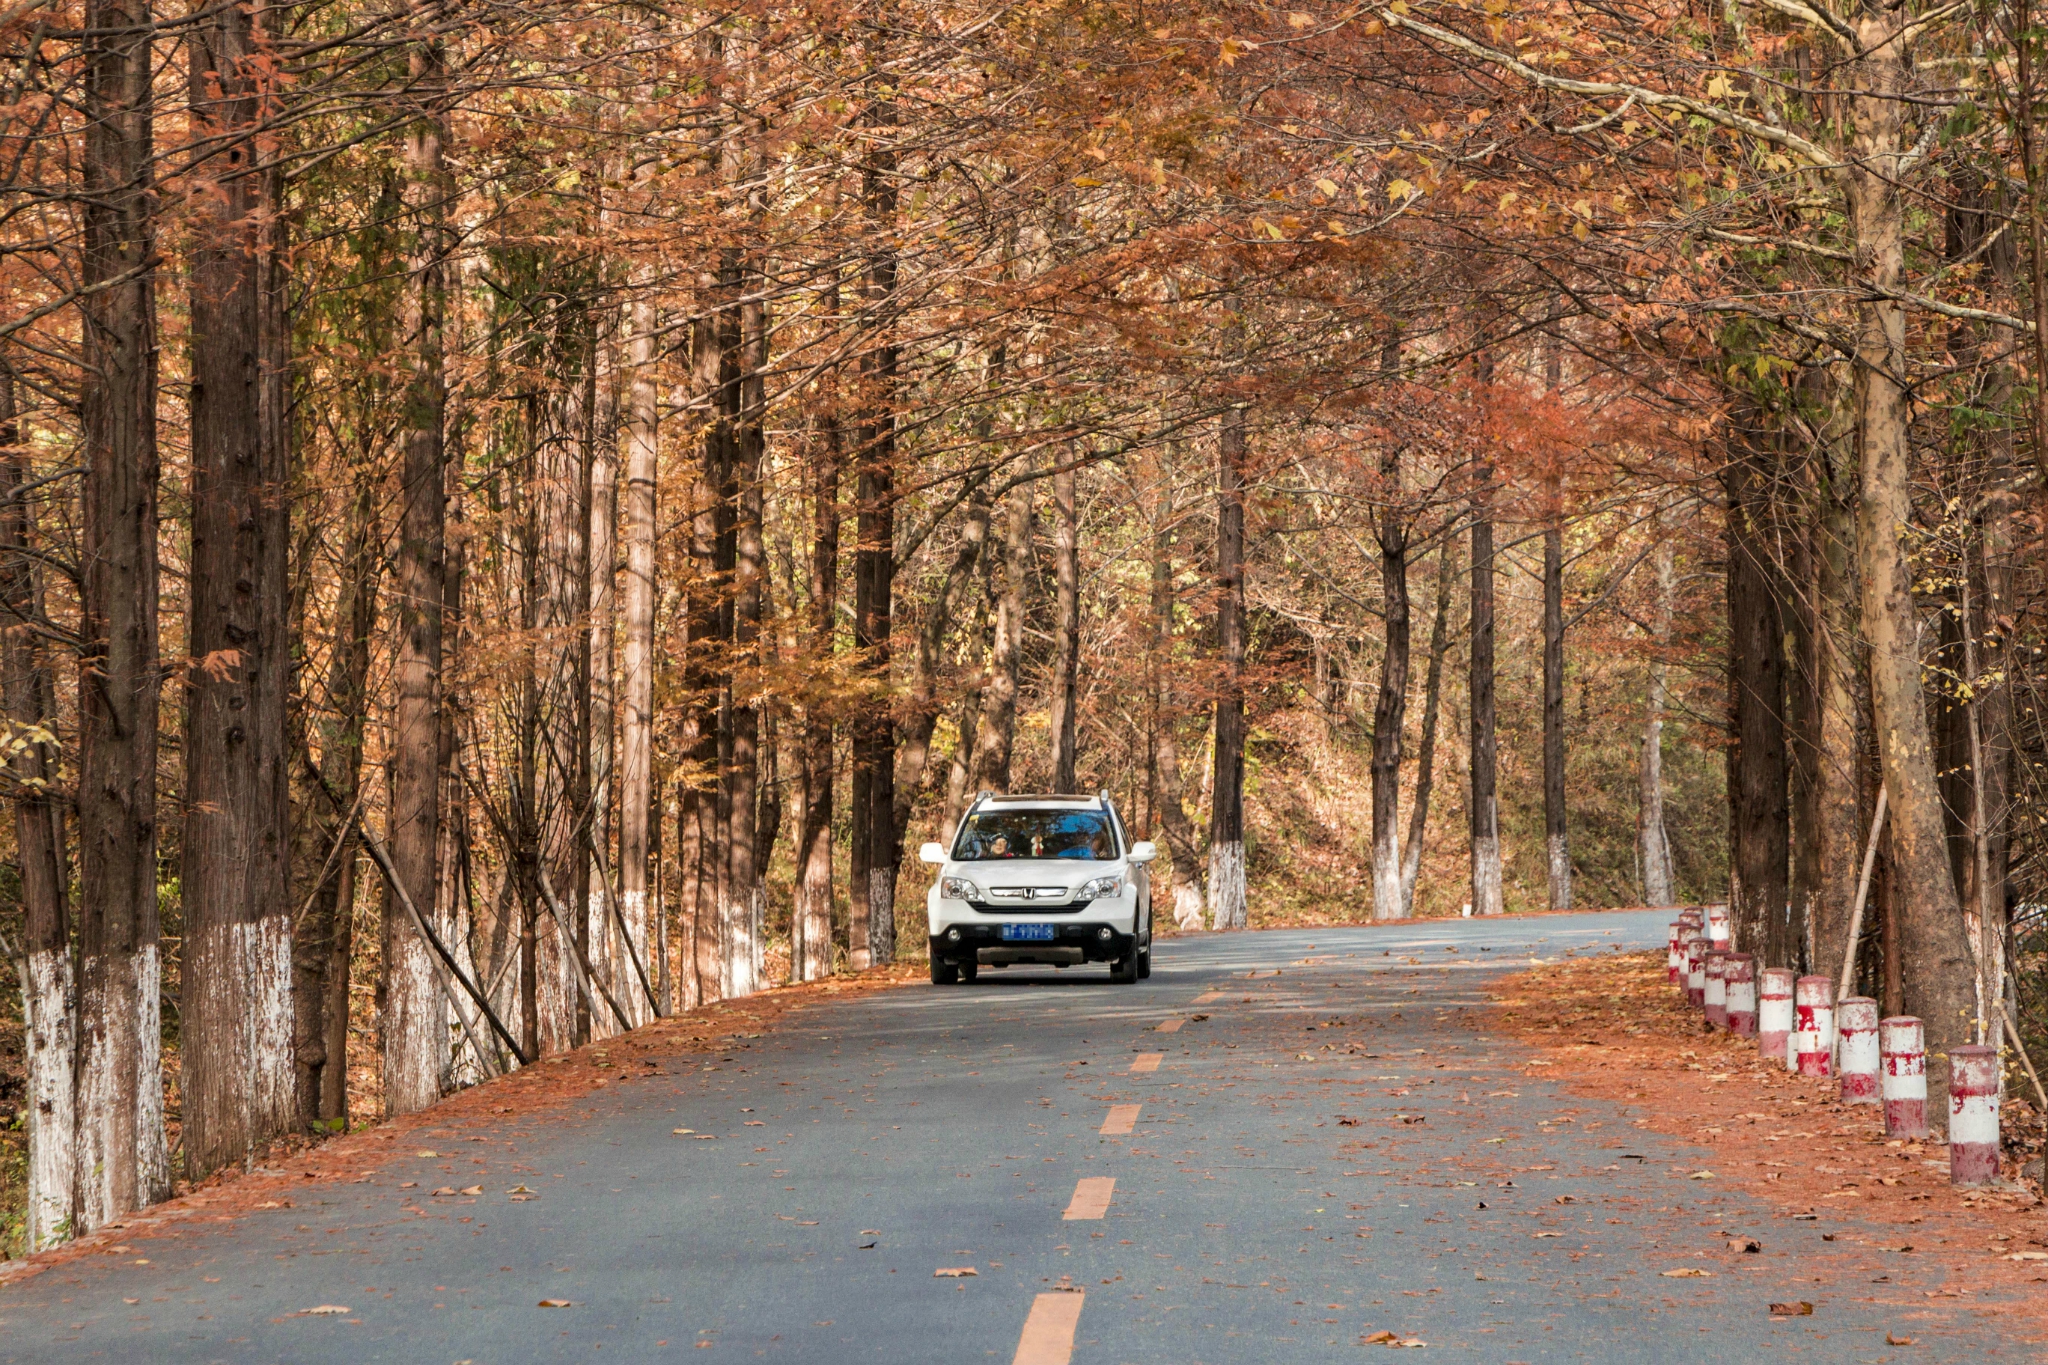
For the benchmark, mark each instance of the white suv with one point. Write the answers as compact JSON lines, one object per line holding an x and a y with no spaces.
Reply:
{"x":1040,"y":879}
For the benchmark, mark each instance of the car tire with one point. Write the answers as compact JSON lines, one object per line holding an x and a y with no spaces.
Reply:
{"x":1124,"y":971}
{"x":1144,"y":965}
{"x":944,"y":973}
{"x":969,"y":970}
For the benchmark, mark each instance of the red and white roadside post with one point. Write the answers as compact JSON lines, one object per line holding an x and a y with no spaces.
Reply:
{"x":1674,"y":955}
{"x":1688,"y":926}
{"x":1902,"y":1077}
{"x":1857,"y":1060}
{"x":1813,"y":1026}
{"x":1696,"y":970}
{"x":1972,"y":1115}
{"x":1774,"y":1015}
{"x":1718,"y":927}
{"x":1714,"y":999}
{"x":1739,"y":975}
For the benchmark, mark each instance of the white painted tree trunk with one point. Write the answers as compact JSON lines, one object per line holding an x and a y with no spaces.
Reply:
{"x":1227,"y":909}
{"x":49,"y":1000}
{"x":122,"y":1163}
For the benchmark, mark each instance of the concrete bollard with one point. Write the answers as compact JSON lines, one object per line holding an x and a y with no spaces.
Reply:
{"x":1857,"y":1059}
{"x":1813,"y":1026}
{"x":1688,"y":925}
{"x":1739,"y":974}
{"x":1715,"y":998}
{"x":1774,"y":1013}
{"x":1718,"y":928}
{"x":1674,"y":956}
{"x":1972,"y":1115}
{"x":1696,"y":970}
{"x":1902,"y":1076}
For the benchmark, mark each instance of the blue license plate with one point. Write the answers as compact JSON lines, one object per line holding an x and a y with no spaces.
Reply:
{"x":1029,"y":933}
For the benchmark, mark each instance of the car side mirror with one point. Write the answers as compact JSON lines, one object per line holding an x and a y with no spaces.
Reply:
{"x":932,"y":853}
{"x":1144,"y":851}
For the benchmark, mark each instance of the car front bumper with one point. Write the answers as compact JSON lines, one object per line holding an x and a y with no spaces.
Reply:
{"x":1072,"y":942}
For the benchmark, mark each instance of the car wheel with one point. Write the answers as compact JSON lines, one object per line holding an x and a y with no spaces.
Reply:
{"x":969,"y":970}
{"x":944,"y":973}
{"x":1144,"y":965}
{"x":1124,"y":971}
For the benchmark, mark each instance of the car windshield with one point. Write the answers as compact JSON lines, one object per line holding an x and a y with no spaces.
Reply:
{"x":992,"y":835}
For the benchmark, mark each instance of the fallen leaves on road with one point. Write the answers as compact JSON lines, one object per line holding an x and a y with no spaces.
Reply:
{"x":1546,"y":1234}
{"x":428,"y":1154}
{"x":472,"y":1189}
{"x":955,"y":1272}
{"x":1688,"y":1272}
{"x":555,"y":1303}
{"x":1393,"y":1339}
{"x":682,"y":1132}
{"x":325,"y":1310}
{"x":2014,"y":1256}
{"x":1891,"y":1340}
{"x":1343,"y":1122}
{"x":1745,"y":1244}
{"x":1701,"y":1175}
{"x":1801,"y":1309}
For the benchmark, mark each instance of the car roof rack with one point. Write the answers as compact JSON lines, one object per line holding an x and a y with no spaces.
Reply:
{"x":1020,"y":797}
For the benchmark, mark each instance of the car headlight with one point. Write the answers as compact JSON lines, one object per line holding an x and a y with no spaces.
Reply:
{"x":959,"y":889}
{"x":1101,"y":886}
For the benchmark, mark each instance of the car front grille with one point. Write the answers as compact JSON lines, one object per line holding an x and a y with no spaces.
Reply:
{"x":988,"y":908}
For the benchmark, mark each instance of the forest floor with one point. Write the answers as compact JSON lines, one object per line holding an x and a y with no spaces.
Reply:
{"x":1611,"y":1027}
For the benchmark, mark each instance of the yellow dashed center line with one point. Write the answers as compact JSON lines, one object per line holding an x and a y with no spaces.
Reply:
{"x":1122,"y":1118}
{"x":1091,"y":1197}
{"x":1048,"y":1337}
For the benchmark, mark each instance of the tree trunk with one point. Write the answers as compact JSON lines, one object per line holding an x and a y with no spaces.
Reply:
{"x":636,"y":673}
{"x":1484,"y":805}
{"x":1425,"y":753}
{"x":526,"y":830}
{"x":914,"y":752}
{"x":1066,"y":627}
{"x":1556,"y":848}
{"x":1759,"y":819}
{"x":743,"y":903}
{"x":998,"y":727}
{"x":1227,"y":907}
{"x":1845,"y":805}
{"x":1190,"y":889}
{"x":121,"y":1161}
{"x":1938,"y":972}
{"x":236,"y":1021}
{"x":414,"y":1015}
{"x":702,"y":844}
{"x":1390,"y":710}
{"x":326,"y":935}
{"x":1653,"y":844}
{"x":609,"y":958}
{"x":875,"y":850}
{"x":49,"y":986}
{"x":812,"y":958}
{"x":1807,"y":790}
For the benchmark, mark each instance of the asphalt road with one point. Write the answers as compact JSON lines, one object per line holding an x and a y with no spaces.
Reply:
{"x":1334,"y":1151}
